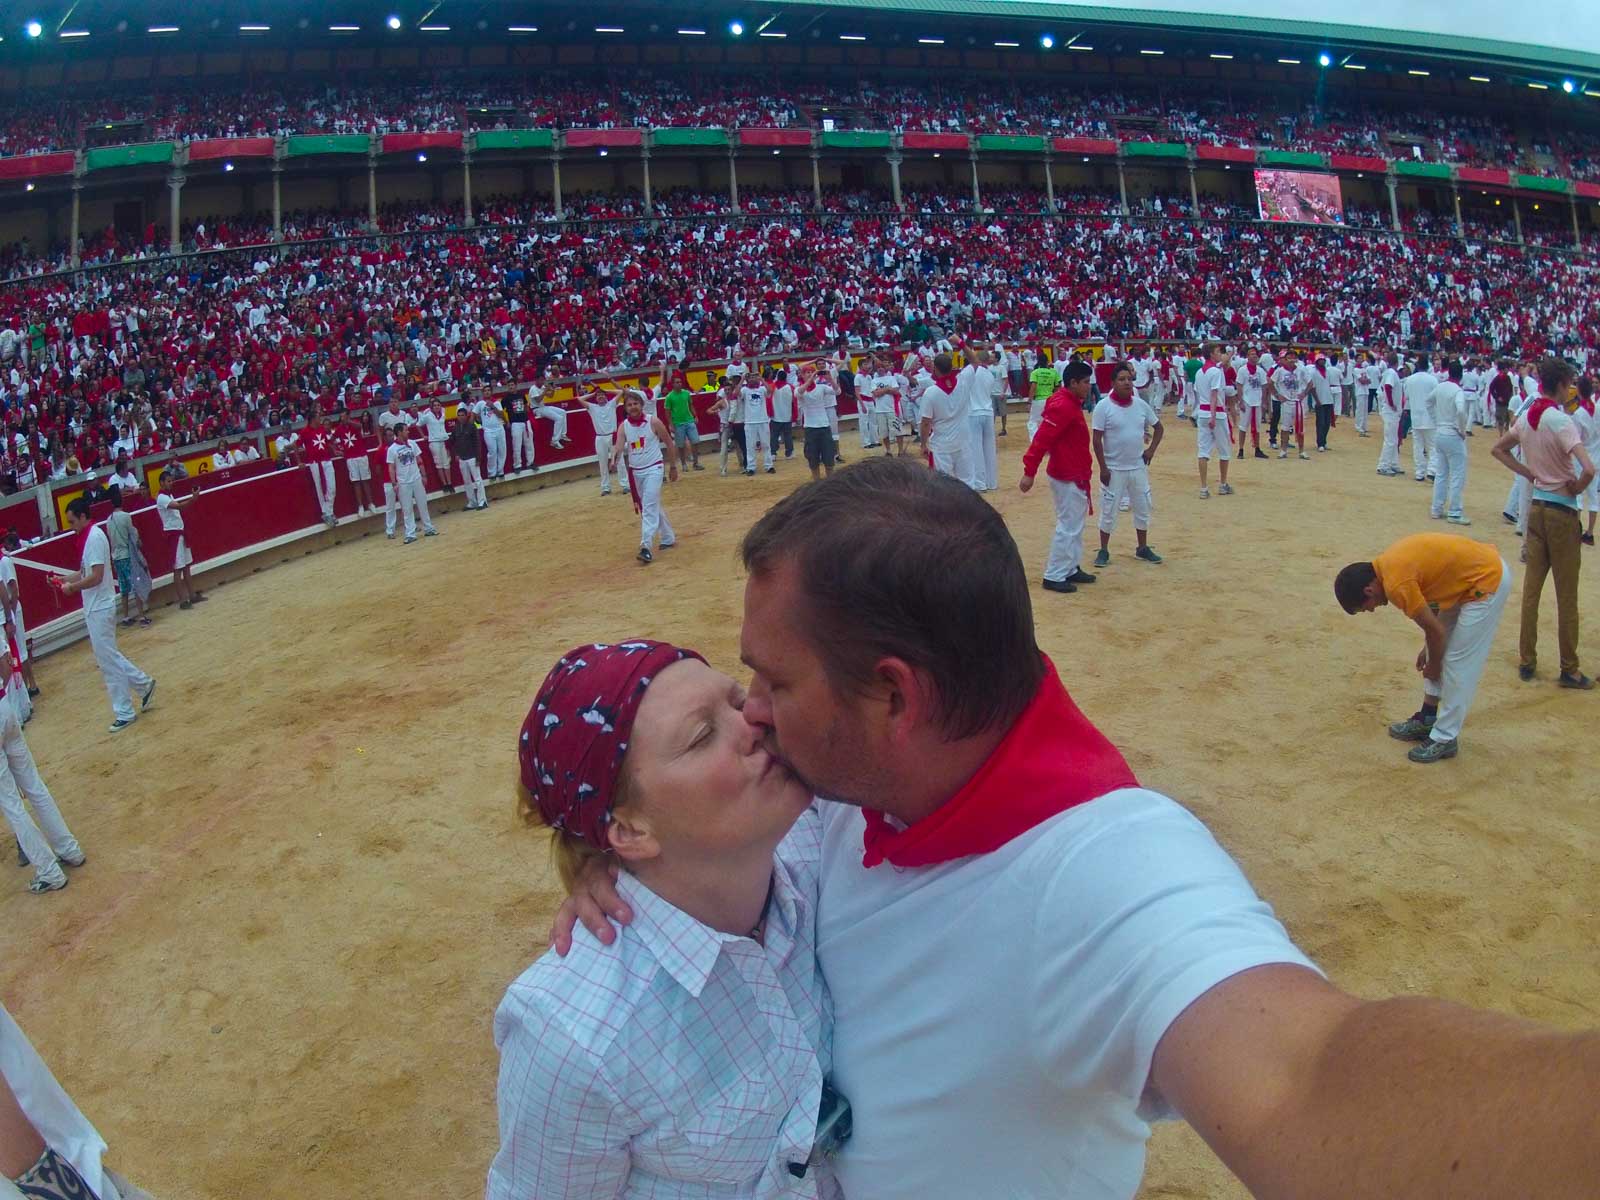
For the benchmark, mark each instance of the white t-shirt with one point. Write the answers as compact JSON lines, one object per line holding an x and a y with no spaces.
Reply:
{"x":171,"y":518}
{"x":97,"y":550}
{"x":1395,"y":398}
{"x":488,"y":416}
{"x":602,"y":415}
{"x":886,"y":402}
{"x":388,"y":420}
{"x":948,"y":411}
{"x":1252,"y":382}
{"x":405,"y":461}
{"x":1287,"y":383}
{"x":755,"y":406}
{"x":1124,"y":427}
{"x":994,"y":1046}
{"x":433,"y":425}
{"x":783,"y":403}
{"x":1419,"y":387}
{"x":1449,"y":406}
{"x":1211,"y":388}
{"x":814,"y":405}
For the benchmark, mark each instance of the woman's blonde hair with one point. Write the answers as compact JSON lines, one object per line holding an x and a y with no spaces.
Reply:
{"x":568,"y":851}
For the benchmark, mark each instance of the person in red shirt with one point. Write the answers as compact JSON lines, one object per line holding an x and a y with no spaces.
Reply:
{"x":318,"y":441}
{"x":1063,"y":439}
{"x":353,"y":447}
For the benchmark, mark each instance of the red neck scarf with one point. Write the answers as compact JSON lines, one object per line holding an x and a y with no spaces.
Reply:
{"x":946,"y":383}
{"x":1537,"y":410}
{"x":1050,"y":760}
{"x":1116,"y":399}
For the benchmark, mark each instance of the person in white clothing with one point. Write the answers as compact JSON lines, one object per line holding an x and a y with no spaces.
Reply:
{"x":1588,"y":430}
{"x":463,"y":447}
{"x":601,"y":406}
{"x":886,"y":391}
{"x":1452,"y":417}
{"x":1391,"y":403}
{"x":404,"y":457}
{"x":815,"y":394}
{"x":1213,"y":419}
{"x":1289,"y":389}
{"x":1418,"y":389}
{"x":93,"y":581}
{"x":982,"y":385}
{"x":866,"y":426}
{"x":435,"y":431}
{"x":170,"y":509}
{"x":645,"y":441}
{"x":1118,"y":431}
{"x":757,"y":424}
{"x":556,"y":415}
{"x":946,"y":432}
{"x":1252,"y":384}
{"x":15,"y":620}
{"x":493,"y":423}
{"x":45,"y":840}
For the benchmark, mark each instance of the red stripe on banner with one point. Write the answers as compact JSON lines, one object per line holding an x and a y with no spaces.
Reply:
{"x":37,"y":166}
{"x":438,"y":139}
{"x":252,"y":147}
{"x":1591,"y":190}
{"x":605,"y":137}
{"x":1232,"y":154}
{"x":1080,"y":145}
{"x":935,"y":141}
{"x":1496,"y":176}
{"x":1357,"y":162}
{"x":775,"y":137}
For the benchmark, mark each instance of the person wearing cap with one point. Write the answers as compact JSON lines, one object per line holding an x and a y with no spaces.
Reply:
{"x":404,"y":457}
{"x":690,"y":1056}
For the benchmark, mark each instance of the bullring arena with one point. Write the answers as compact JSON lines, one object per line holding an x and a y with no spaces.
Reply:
{"x":307,"y":884}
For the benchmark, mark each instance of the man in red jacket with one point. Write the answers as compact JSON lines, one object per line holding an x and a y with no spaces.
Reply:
{"x":1063,"y":438}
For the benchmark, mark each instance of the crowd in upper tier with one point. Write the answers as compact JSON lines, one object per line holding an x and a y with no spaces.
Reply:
{"x":44,"y":119}
{"x":171,"y":351}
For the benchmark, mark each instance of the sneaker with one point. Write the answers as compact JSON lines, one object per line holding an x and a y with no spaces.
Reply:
{"x":772,"y":470}
{"x":724,"y":471}
{"x":1587,"y":539}
{"x":1305,"y":456}
{"x":1059,"y":585}
{"x":33,"y":691}
{"x":1080,"y":576}
{"x":1432,"y":751}
{"x":430,"y":533}
{"x":667,"y":545}
{"x":120,"y":724}
{"x":645,"y":556}
{"x":41,"y":885}
{"x":144,"y":623}
{"x":1149,"y":555}
{"x":390,"y":536}
{"x":201,"y":597}
{"x":1102,"y":558}
{"x":1525,"y":672}
{"x":1205,"y":493}
{"x":1507,"y":517}
{"x":1412,"y":729}
{"x":1225,"y":490}
{"x":126,"y":623}
{"x":184,"y":604}
{"x":1459,"y":519}
{"x":410,"y":537}
{"x":1418,"y":478}
{"x":1580,"y":681}
{"x":749,"y":470}
{"x":1436,"y":516}
{"x":144,"y":700}
{"x":698,"y":467}
{"x":1260,"y":453}
{"x":74,"y":863}
{"x":603,"y":492}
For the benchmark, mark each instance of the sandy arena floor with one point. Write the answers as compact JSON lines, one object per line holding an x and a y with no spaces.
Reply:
{"x":306,"y":889}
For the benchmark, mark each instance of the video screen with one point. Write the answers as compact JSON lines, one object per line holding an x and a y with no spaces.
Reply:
{"x":1308,"y":196}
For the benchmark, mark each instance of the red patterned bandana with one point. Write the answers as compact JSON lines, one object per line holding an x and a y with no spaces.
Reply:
{"x":573,"y":742}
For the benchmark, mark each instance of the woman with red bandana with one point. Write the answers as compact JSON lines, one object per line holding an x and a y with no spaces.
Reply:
{"x":690,"y":1055}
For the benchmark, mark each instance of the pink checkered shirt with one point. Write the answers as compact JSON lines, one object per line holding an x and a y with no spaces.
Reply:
{"x":678,"y":1063}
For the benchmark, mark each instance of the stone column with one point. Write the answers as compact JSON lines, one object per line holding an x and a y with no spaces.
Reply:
{"x":895,"y":159}
{"x":1577,"y":234}
{"x":1394,"y":205}
{"x":816,"y":177}
{"x":1516,"y":218}
{"x":1194,"y":195}
{"x":649,"y":199}
{"x":1455,"y":195}
{"x":277,"y":202}
{"x":977,"y":200}
{"x":174,"y":209}
{"x":77,"y":206}
{"x":466,"y":187}
{"x":1049,"y":181}
{"x":733,"y":179}
{"x":1122,"y":183}
{"x":372,"y":190}
{"x":555,"y":177}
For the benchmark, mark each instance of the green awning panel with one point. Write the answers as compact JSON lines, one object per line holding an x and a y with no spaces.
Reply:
{"x":143,"y":154}
{"x":1421,"y":170}
{"x":855,"y":139}
{"x":330,"y":143}
{"x":1541,"y":183}
{"x":516,"y":139}
{"x":1294,"y":158}
{"x":1155,"y":150}
{"x":1013,"y":143}
{"x":675,"y":136}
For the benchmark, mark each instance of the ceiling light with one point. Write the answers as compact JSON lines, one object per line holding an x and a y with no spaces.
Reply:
{"x":1007,"y":45}
{"x":692,"y":32}
{"x":1080,"y":47}
{"x":421,"y":157}
{"x":254,"y":28}
{"x":1047,"y":40}
{"x":393,"y":22}
{"x":1156,"y":53}
{"x":773,"y":33}
{"x":1540,"y":87}
{"x":28,"y":188}
{"x":73,"y":33}
{"x":852,"y":37}
{"x":227,"y":166}
{"x":522,"y":29}
{"x":776,"y":152}
{"x":344,"y":29}
{"x":604,"y":152}
{"x":162,"y":29}
{"x":1567,"y":86}
{"x":608,"y":29}
{"x":1325,"y":60}
{"x":736,"y":28}
{"x":1290,"y":62}
{"x":940,"y":42}
{"x":437,"y":28}
{"x":1414,"y":71}
{"x":33,"y":29}
{"x":1478,"y":78}
{"x":1353,"y":67}
{"x":1224,"y":57}
{"x":936,"y":154}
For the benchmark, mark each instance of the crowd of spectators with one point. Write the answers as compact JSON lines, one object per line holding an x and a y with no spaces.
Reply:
{"x":169,"y":352}
{"x":44,"y":119}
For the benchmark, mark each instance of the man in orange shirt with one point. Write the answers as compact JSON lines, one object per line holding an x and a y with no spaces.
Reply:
{"x":1455,"y":589}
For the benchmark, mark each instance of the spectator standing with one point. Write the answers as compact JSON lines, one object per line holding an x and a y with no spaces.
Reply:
{"x":1418,"y":388}
{"x":353,"y":448}
{"x":43,"y":836}
{"x":679,"y":403}
{"x":405,"y":461}
{"x":1452,"y":417}
{"x":318,"y":444}
{"x":463,"y":446}
{"x":170,"y":509}
{"x":1120,"y":425}
{"x":15,"y":619}
{"x":1062,"y":444}
{"x":124,"y":540}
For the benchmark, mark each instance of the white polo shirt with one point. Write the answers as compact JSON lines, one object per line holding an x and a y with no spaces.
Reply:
{"x":995,"y":1017}
{"x":1123,"y":427}
{"x":1418,"y":388}
{"x":97,"y":551}
{"x":948,"y":412}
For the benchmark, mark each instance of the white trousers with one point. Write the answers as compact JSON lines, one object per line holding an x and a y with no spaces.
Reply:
{"x":323,"y":480}
{"x":558,"y":420}
{"x":521,"y":445}
{"x":44,"y":835}
{"x":1365,"y":400}
{"x":652,"y":517}
{"x":985,"y":462}
{"x":757,"y":433}
{"x":1389,"y":452}
{"x":494,"y":444}
{"x":833,"y":422}
{"x":603,"y":442}
{"x":1451,"y":449}
{"x":1035,"y":417}
{"x":414,"y":504}
{"x":1066,"y":545}
{"x":866,"y":423}
{"x":1422,"y":451}
{"x":441,"y":460}
{"x":1135,"y":485}
{"x":121,"y":676}
{"x":957,"y":460}
{"x":472,"y":482}
{"x":1469,"y":633}
{"x":1519,"y":498}
{"x":388,"y":507}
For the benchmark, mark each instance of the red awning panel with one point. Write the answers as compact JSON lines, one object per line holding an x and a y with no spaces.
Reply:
{"x":253,"y":147}
{"x":775,"y":137}
{"x":1230,"y":154}
{"x":605,"y":137}
{"x":1080,"y":145}
{"x":36,"y":166}
{"x":1591,"y":190}
{"x":439,"y":139}
{"x":1494,"y":176}
{"x":1357,"y":162}
{"x":935,"y":141}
